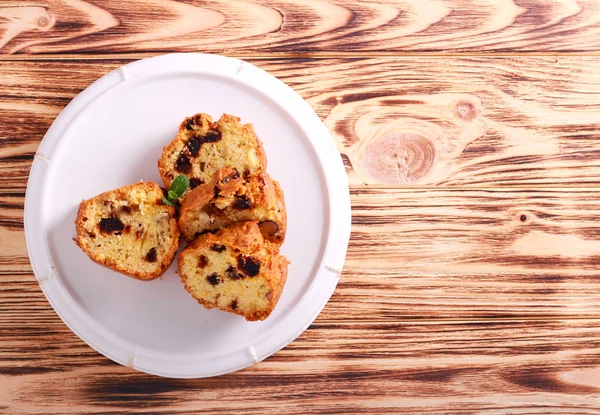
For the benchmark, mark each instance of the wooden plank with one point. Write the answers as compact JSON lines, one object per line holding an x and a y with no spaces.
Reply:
{"x":295,"y":27}
{"x":473,"y":367}
{"x":423,"y":254}
{"x":401,"y":122}
{"x":551,"y":232}
{"x":387,"y":297}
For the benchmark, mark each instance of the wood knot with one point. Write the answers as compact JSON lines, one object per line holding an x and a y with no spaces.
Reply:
{"x":44,"y":20}
{"x":399,"y":157}
{"x":526,"y":217}
{"x":465,"y":110}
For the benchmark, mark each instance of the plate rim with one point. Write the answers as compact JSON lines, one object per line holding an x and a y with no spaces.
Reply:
{"x":238,"y":71}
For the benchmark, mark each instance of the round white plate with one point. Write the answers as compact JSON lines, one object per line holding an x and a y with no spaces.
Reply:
{"x":111,"y":135}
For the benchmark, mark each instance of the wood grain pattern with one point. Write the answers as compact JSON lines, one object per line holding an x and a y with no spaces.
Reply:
{"x":472,"y":279}
{"x":439,"y":254}
{"x":457,"y":231}
{"x":297,"y":27}
{"x":473,"y":122}
{"x":534,"y":367}
{"x":476,"y":122}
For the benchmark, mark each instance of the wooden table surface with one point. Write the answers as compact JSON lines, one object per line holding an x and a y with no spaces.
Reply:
{"x":470,"y":132}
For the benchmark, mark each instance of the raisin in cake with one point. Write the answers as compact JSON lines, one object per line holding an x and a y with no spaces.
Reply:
{"x":235,"y":270}
{"x":203,"y":147}
{"x":129,"y":230}
{"x":229,"y":198}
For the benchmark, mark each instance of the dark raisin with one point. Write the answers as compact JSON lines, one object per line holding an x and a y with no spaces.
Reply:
{"x":233,"y":304}
{"x":242,"y":202}
{"x":194,"y":146}
{"x":138,"y":233}
{"x":84,"y":219}
{"x":268,"y":228}
{"x":211,"y":136}
{"x":127,"y":229}
{"x":92,"y":235}
{"x":233,"y":274}
{"x":213,"y":279}
{"x":189,"y":125}
{"x":202,"y":261}
{"x":118,"y":233}
{"x":202,"y":165}
{"x":151,"y":255}
{"x":246,"y":175}
{"x":183,"y":164}
{"x":126,"y":209}
{"x":195,"y":182}
{"x":216,"y":191}
{"x":248,"y":265}
{"x":110,"y":225}
{"x":235,"y":175}
{"x":218,"y":248}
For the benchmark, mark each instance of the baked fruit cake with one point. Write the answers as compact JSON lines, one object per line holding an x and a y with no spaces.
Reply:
{"x":228,"y":199}
{"x":202,"y":147}
{"x":129,"y":230}
{"x":235,"y":270}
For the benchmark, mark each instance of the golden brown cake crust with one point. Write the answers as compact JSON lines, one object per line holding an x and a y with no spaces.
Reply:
{"x":203,"y":146}
{"x":229,"y":198}
{"x":244,"y":239}
{"x":282,"y":211}
{"x":121,"y":219}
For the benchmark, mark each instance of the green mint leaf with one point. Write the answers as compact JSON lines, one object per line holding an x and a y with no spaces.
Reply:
{"x":172,"y":195}
{"x":179,"y":186}
{"x":167,"y":201}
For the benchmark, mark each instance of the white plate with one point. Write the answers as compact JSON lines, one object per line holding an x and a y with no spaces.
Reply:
{"x":111,"y":135}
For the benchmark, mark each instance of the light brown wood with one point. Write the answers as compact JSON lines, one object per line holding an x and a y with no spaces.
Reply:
{"x":495,"y":231}
{"x":471,"y":367}
{"x":424,"y":254}
{"x":472,"y":279}
{"x":473,"y":122}
{"x":297,"y":27}
{"x":476,"y":122}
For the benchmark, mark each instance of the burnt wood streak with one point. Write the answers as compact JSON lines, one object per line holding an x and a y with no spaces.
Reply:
{"x":293,"y":27}
{"x":469,"y":130}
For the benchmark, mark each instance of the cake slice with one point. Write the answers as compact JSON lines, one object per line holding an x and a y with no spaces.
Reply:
{"x":235,"y":270}
{"x":129,"y":230}
{"x":228,"y":199}
{"x":202,"y":147}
